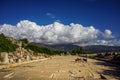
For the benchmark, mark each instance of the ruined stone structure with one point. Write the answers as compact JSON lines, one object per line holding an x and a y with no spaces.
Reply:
{"x":19,"y":55}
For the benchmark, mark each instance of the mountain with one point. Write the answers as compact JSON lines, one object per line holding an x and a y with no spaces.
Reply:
{"x":64,"y":47}
{"x":101,"y":48}
{"x":89,"y":49}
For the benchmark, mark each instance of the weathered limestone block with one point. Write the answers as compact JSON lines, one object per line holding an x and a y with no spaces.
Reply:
{"x":4,"y":58}
{"x":19,"y":55}
{"x":19,"y":43}
{"x":30,"y":51}
{"x":25,"y":50}
{"x":11,"y":60}
{"x":10,"y":54}
{"x":14,"y":57}
{"x":18,"y":60}
{"x":41,"y":57}
{"x":27,"y":58}
{"x":33,"y":58}
{"x":23,"y":59}
{"x":46,"y":56}
{"x":37,"y":57}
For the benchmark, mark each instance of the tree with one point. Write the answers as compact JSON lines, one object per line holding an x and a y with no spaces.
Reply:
{"x":78,"y":51}
{"x":24,"y":40}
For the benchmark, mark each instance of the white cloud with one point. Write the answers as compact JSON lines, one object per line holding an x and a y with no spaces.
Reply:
{"x":107,"y":34}
{"x":53,"y":17}
{"x":57,"y":33}
{"x":50,"y":15}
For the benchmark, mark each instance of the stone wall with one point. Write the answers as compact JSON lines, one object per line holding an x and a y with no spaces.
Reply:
{"x":20,"y":55}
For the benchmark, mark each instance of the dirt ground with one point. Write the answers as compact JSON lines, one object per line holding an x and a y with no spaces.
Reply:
{"x":63,"y":68}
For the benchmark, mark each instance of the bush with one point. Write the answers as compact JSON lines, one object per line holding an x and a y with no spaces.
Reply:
{"x":41,"y":49}
{"x":6,"y":45}
{"x":24,"y":40}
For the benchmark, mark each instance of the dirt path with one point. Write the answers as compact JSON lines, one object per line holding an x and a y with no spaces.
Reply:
{"x":62,"y":68}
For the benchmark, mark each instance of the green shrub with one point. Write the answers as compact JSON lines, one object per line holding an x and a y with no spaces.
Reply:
{"x":24,"y":40}
{"x":6,"y":45}
{"x":41,"y":49}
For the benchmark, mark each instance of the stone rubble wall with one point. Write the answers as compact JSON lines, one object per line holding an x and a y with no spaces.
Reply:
{"x":20,"y":55}
{"x":21,"y":63}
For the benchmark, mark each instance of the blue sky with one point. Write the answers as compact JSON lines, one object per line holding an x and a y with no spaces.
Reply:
{"x":102,"y":14}
{"x":99,"y":13}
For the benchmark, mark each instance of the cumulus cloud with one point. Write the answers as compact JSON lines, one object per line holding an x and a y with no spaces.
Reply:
{"x":57,"y":33}
{"x":107,"y":34}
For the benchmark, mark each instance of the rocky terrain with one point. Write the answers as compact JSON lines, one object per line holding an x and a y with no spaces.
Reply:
{"x":19,"y":55}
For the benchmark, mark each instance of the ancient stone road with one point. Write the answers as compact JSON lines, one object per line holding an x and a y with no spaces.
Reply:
{"x":62,"y":68}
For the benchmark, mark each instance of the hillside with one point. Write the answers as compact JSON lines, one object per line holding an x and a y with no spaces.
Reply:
{"x":6,"y":44}
{"x":16,"y":51}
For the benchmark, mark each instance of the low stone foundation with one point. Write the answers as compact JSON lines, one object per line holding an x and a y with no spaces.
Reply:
{"x":18,"y":56}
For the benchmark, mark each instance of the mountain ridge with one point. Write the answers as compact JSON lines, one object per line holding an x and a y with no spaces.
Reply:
{"x":89,"y":48}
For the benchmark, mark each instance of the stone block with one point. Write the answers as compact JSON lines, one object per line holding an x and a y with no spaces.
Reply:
{"x":11,"y":60}
{"x":4,"y":58}
{"x":27,"y":58}
{"x":18,"y":60}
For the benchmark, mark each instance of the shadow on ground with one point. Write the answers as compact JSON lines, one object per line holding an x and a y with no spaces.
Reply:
{"x":113,"y":71}
{"x":29,"y":66}
{"x":4,"y":70}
